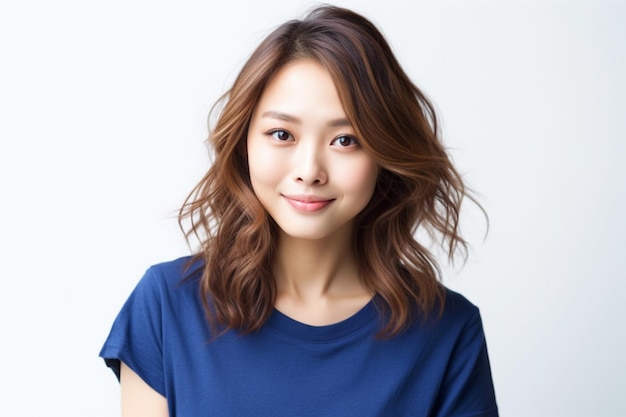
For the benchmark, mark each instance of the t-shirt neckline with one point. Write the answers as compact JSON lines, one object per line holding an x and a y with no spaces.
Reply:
{"x":327,"y":333}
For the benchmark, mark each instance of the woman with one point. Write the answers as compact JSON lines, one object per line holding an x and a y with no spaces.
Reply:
{"x":310,"y":295}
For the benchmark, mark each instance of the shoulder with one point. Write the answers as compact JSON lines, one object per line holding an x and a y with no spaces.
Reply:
{"x":460,"y":322}
{"x":166,"y":283}
{"x":457,"y":305}
{"x":176,"y":269}
{"x":459,"y":319}
{"x":173,"y":273}
{"x":460,"y":314}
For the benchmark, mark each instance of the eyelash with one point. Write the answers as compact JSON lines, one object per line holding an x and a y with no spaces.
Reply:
{"x":351,"y":138}
{"x":273,"y":133}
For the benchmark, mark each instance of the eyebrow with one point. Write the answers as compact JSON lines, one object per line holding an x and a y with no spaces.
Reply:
{"x":293,"y":119}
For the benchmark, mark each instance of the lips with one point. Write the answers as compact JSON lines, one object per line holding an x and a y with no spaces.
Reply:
{"x":308,"y":203}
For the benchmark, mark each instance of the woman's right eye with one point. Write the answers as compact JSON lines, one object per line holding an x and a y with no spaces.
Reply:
{"x":280,"y":135}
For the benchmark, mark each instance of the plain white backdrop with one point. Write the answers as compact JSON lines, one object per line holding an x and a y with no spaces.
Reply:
{"x":103,"y":110}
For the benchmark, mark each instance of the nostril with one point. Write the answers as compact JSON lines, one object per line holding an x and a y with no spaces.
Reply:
{"x":315,"y":181}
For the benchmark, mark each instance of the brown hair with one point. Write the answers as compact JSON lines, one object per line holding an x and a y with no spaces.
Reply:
{"x":418,"y":188}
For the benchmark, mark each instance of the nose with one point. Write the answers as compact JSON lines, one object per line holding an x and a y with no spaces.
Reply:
{"x":309,"y":165}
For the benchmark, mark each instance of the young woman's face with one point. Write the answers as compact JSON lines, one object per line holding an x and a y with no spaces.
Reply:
{"x":306,"y":166}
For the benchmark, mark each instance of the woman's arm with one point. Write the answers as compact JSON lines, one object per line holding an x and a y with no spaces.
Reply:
{"x":138,"y":398}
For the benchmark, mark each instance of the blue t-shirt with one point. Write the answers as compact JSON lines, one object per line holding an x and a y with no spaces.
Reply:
{"x":288,"y":368}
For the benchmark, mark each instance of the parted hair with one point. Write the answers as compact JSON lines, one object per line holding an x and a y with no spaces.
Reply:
{"x":418,"y":188}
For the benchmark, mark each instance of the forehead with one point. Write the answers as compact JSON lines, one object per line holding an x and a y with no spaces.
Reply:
{"x":302,"y":87}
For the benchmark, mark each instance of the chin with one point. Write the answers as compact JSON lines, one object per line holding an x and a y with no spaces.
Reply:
{"x":305,"y":235}
{"x":314,"y":231}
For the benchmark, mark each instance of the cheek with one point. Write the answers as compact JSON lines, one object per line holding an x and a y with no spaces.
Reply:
{"x":264,"y":166}
{"x":359,"y":177}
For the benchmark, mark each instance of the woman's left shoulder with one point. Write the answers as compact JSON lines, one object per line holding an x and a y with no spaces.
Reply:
{"x":458,"y":313}
{"x":457,"y":304}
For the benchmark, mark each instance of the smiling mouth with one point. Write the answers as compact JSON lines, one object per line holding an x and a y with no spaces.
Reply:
{"x":308,"y":204}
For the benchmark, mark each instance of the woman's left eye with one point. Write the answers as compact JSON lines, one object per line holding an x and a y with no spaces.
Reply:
{"x":345,"y":141}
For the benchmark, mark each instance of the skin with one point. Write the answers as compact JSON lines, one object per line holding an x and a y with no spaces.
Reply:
{"x":138,"y":398}
{"x":313,"y":178}
{"x":311,"y":175}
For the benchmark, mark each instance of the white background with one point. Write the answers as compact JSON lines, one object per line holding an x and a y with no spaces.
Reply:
{"x":103,"y":111}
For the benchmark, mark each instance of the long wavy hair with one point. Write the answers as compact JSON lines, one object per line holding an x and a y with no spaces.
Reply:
{"x":418,"y":188}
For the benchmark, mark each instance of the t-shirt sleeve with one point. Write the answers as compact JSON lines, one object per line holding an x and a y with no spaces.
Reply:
{"x":467,"y":389}
{"x":136,"y":335}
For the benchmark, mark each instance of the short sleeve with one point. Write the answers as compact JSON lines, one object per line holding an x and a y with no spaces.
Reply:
{"x":136,"y":337}
{"x":467,"y":389}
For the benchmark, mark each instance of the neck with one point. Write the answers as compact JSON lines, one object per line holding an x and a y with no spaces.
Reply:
{"x":309,"y":269}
